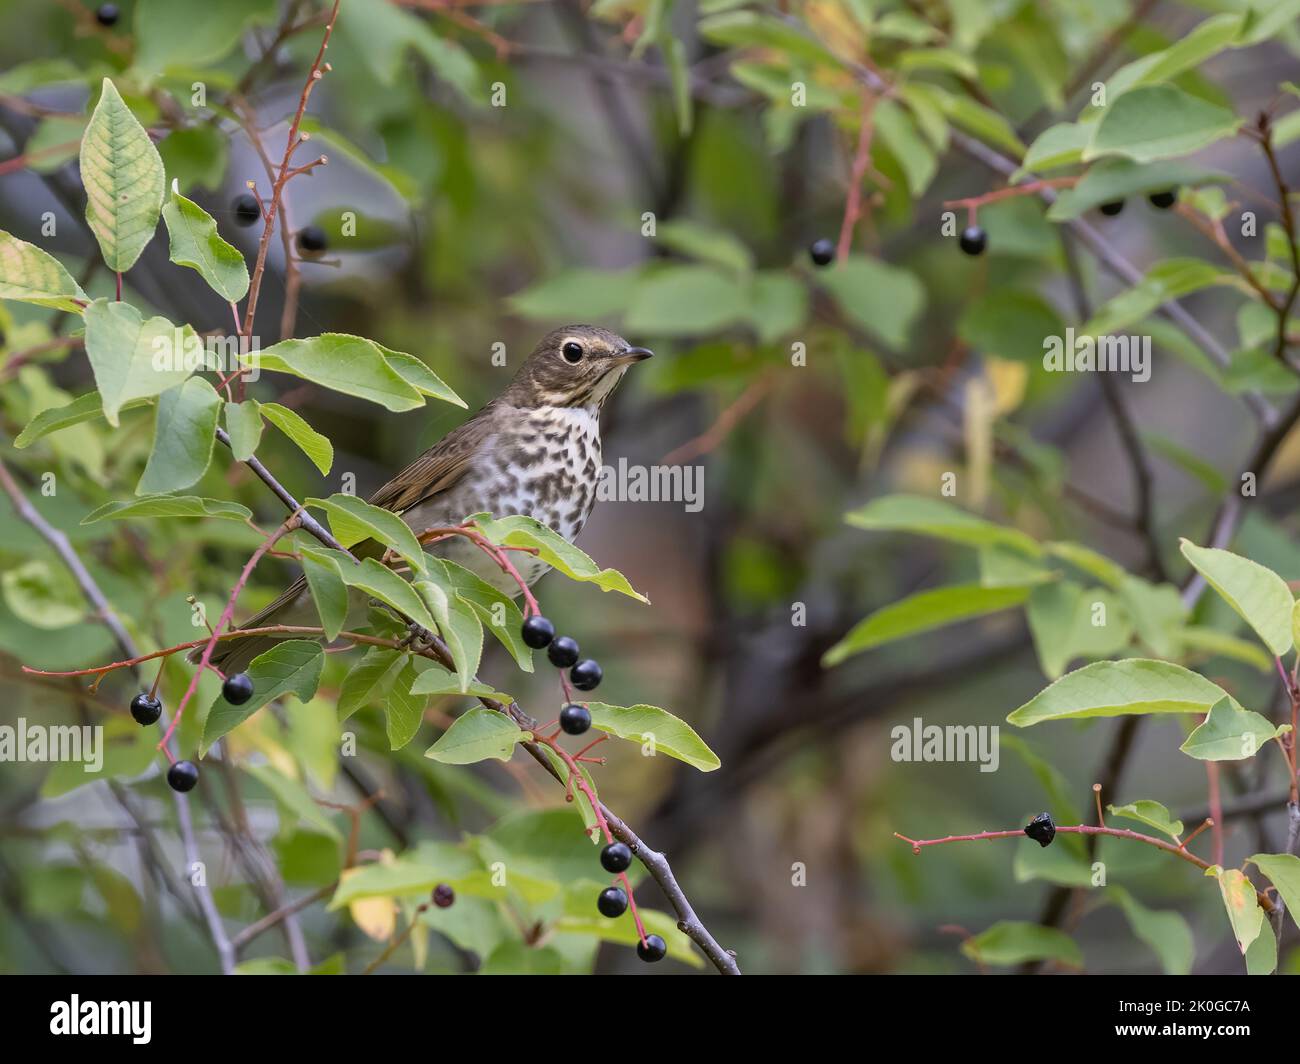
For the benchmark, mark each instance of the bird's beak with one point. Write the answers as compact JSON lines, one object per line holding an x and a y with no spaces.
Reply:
{"x":633,"y":354}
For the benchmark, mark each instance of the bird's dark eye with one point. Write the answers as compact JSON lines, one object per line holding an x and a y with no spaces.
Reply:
{"x":572,"y":351}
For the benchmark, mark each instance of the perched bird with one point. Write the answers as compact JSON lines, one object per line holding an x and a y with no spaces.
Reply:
{"x":534,"y":450}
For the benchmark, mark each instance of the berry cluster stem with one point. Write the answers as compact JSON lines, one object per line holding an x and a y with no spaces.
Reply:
{"x":576,"y":779}
{"x":1265,"y":902}
{"x":226,"y":615}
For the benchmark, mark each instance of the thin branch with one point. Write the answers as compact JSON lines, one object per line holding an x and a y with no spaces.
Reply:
{"x":90,"y":590}
{"x":1265,"y":902}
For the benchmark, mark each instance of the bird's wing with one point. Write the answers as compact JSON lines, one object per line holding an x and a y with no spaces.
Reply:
{"x":439,"y":468}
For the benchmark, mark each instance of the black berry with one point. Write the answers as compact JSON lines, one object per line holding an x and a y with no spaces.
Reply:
{"x":443,"y":896}
{"x":822,"y":252}
{"x":1163,"y":200}
{"x":615,"y":857}
{"x":237,"y":689}
{"x":1042,"y":829}
{"x":575,"y":719}
{"x":538,"y":632}
{"x":182,"y":776}
{"x":312,"y":240}
{"x":586,"y":675}
{"x":563,"y":652}
{"x":146,"y":709}
{"x":246,"y":210}
{"x":612,"y":902}
{"x":652,"y":949}
{"x":106,"y":14}
{"x":1112,"y":208}
{"x":974,"y":240}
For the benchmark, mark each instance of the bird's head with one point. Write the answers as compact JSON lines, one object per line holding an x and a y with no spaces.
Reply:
{"x":578,"y":365}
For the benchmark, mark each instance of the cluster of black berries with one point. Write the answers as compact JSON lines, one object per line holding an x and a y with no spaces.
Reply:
{"x":612,"y":901}
{"x":246,"y":210}
{"x":1160,"y":200}
{"x":562,"y":651}
{"x":974,"y":240}
{"x":146,"y":708}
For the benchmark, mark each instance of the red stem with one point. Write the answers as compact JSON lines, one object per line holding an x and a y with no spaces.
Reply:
{"x":223,"y":620}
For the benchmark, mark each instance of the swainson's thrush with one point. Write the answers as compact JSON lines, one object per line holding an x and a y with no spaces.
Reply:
{"x":533,"y":450}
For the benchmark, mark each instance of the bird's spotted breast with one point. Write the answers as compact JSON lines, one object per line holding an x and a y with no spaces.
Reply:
{"x":545,"y":463}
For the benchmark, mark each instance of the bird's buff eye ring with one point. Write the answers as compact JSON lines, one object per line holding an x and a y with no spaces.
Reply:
{"x":572,"y":351}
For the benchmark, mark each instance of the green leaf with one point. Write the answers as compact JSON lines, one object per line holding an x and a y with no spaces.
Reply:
{"x":403,"y":710}
{"x":476,"y":735}
{"x":136,"y":359}
{"x":184,"y":434}
{"x":354,"y":521}
{"x":87,"y":407}
{"x":1196,"y":638}
{"x":169,"y":506}
{"x":922,"y":612}
{"x":883,"y":299}
{"x":382,"y":583}
{"x":195,"y":157}
{"x":1062,"y":618}
{"x":1162,"y":282}
{"x":172,"y":35}
{"x":315,"y":446}
{"x":1244,"y":913}
{"x":1010,"y":324}
{"x":657,"y":727}
{"x":401,"y":877}
{"x":750,"y":29}
{"x":521,"y":531}
{"x":292,"y":667}
{"x":42,"y":596}
{"x":195,"y":243}
{"x":123,"y":176}
{"x":1157,"y":611}
{"x":1089,"y":561}
{"x":490,"y":604}
{"x":459,"y":627}
{"x":328,"y":591}
{"x":1283,"y":871}
{"x":1115,"y":179}
{"x":419,"y":376}
{"x":1058,"y":145}
{"x":686,"y":301}
{"x":1230,"y":733}
{"x":1203,"y":42}
{"x":31,"y":275}
{"x":369,"y":680}
{"x":932,"y":517}
{"x":1011,"y":942}
{"x":981,"y":121}
{"x":1153,"y":814}
{"x":716,"y":246}
{"x":899,"y":134}
{"x":577,"y":295}
{"x":1257,"y":594}
{"x":436,"y":680}
{"x":348,"y":364}
{"x":778,"y":305}
{"x":1118,"y":688}
{"x":1159,"y":122}
{"x":244,"y":425}
{"x":1166,"y":933}
{"x":1261,"y":956}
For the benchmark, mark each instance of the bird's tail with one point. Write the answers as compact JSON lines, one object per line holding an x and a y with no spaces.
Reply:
{"x":234,"y":655}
